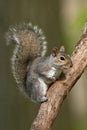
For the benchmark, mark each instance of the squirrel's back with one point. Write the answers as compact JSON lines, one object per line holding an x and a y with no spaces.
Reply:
{"x":30,"y":44}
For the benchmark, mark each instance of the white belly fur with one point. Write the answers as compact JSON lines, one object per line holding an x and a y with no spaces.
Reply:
{"x":51,"y":72}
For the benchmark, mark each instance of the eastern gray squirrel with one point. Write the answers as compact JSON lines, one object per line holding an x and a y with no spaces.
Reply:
{"x":33,"y":71}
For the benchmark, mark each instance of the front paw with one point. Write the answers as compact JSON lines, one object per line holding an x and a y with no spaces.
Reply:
{"x":53,"y":79}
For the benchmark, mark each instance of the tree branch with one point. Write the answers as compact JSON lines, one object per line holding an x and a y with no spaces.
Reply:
{"x":60,"y":89}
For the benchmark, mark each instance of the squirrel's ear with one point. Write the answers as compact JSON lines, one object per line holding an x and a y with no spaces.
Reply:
{"x":54,"y":51}
{"x":62,"y":49}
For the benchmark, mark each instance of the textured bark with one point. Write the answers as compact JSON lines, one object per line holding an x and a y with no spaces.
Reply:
{"x":60,"y":89}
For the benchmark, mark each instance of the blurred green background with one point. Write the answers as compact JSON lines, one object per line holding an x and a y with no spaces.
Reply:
{"x":62,"y":22}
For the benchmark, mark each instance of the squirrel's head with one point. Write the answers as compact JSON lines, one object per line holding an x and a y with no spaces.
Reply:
{"x":62,"y":60}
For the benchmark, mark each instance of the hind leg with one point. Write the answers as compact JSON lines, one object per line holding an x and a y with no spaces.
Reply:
{"x":39,"y":91}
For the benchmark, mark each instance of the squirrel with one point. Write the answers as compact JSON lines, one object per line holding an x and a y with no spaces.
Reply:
{"x":32,"y":70}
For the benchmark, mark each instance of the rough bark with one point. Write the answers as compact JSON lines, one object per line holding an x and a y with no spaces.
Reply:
{"x":60,"y":89}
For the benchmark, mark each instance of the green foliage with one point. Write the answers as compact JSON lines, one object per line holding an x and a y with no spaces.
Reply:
{"x":81,"y":18}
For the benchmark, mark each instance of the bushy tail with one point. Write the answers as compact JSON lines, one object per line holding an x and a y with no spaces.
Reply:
{"x":30,"y":44}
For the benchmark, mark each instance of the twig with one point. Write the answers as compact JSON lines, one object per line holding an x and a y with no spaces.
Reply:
{"x":59,"y":90}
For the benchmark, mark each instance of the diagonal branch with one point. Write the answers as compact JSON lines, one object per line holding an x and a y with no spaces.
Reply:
{"x":59,"y":90}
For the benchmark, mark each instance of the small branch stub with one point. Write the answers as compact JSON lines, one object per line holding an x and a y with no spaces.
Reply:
{"x":58,"y":91}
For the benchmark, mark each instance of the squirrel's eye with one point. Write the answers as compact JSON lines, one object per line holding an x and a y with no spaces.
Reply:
{"x":62,"y":58}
